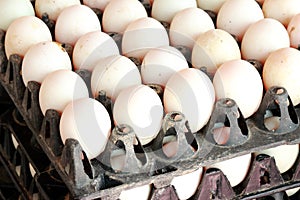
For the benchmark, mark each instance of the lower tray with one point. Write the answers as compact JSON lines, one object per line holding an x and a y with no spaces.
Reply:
{"x":8,"y":189}
{"x":25,"y":172}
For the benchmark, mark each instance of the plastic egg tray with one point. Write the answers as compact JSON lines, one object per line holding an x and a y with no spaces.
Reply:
{"x":91,"y":179}
{"x":29,"y":168}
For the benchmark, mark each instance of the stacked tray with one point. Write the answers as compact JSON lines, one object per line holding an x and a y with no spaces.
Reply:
{"x":91,"y":179}
{"x":26,"y":171}
{"x":7,"y":187}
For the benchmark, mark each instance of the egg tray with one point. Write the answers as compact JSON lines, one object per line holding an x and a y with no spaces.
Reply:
{"x":16,"y":156}
{"x":90,"y":179}
{"x":8,"y":190}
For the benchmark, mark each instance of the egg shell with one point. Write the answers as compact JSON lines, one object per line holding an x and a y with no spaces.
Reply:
{"x":91,"y":47}
{"x":75,"y":21}
{"x":13,"y":9}
{"x":60,"y":88}
{"x":284,"y":155}
{"x":190,"y":92}
{"x":212,"y":5}
{"x":14,"y":141}
{"x":235,"y":16}
{"x":142,"y":35}
{"x":23,"y":33}
{"x":235,"y":169}
{"x":42,"y":59}
{"x":187,"y":25}
{"x":292,"y":191}
{"x":187,"y":184}
{"x":221,"y":134}
{"x":213,"y":48}
{"x":272,"y":123}
{"x":281,"y":69}
{"x":99,"y":4}
{"x":117,"y":159}
{"x":114,"y":74}
{"x":32,"y":170}
{"x":18,"y":170}
{"x":293,"y":29}
{"x":283,"y":11}
{"x":161,"y":63}
{"x":165,"y":10}
{"x":170,"y":148}
{"x":87,"y":121}
{"x":170,"y":145}
{"x":239,"y":80}
{"x":137,"y":193}
{"x":141,"y":108}
{"x":53,"y":8}
{"x":119,"y":13}
{"x":263,"y":37}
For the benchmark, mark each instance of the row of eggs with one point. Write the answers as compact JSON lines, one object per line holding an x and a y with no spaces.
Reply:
{"x":211,"y":49}
{"x":186,"y":82}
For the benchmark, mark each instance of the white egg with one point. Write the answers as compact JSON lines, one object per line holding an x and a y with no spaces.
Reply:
{"x":279,"y":153}
{"x":52,"y":8}
{"x":292,"y":191}
{"x":142,"y":35}
{"x":137,"y":193}
{"x":187,"y":184}
{"x":91,"y":47}
{"x":118,"y":14}
{"x":235,"y":169}
{"x":141,"y":108}
{"x":114,"y":74}
{"x":117,"y":159}
{"x":42,"y":59}
{"x":293,"y":29}
{"x":32,"y":170}
{"x":235,"y":16}
{"x":272,"y":123}
{"x":75,"y":21}
{"x":23,"y":33}
{"x":99,"y":4}
{"x":221,"y":133}
{"x":60,"y":88}
{"x":18,"y":170}
{"x":239,"y":80}
{"x":165,"y":10}
{"x":281,"y":69}
{"x":161,"y":63}
{"x":284,"y":155}
{"x":170,"y":146}
{"x":263,"y":37}
{"x":282,"y":11}
{"x":187,"y":25}
{"x":212,"y":5}
{"x":87,"y":121}
{"x":13,"y":9}
{"x":190,"y":92}
{"x":213,"y":48}
{"x":14,"y":141}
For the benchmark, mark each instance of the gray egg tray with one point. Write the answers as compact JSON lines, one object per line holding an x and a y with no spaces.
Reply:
{"x":91,"y":179}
